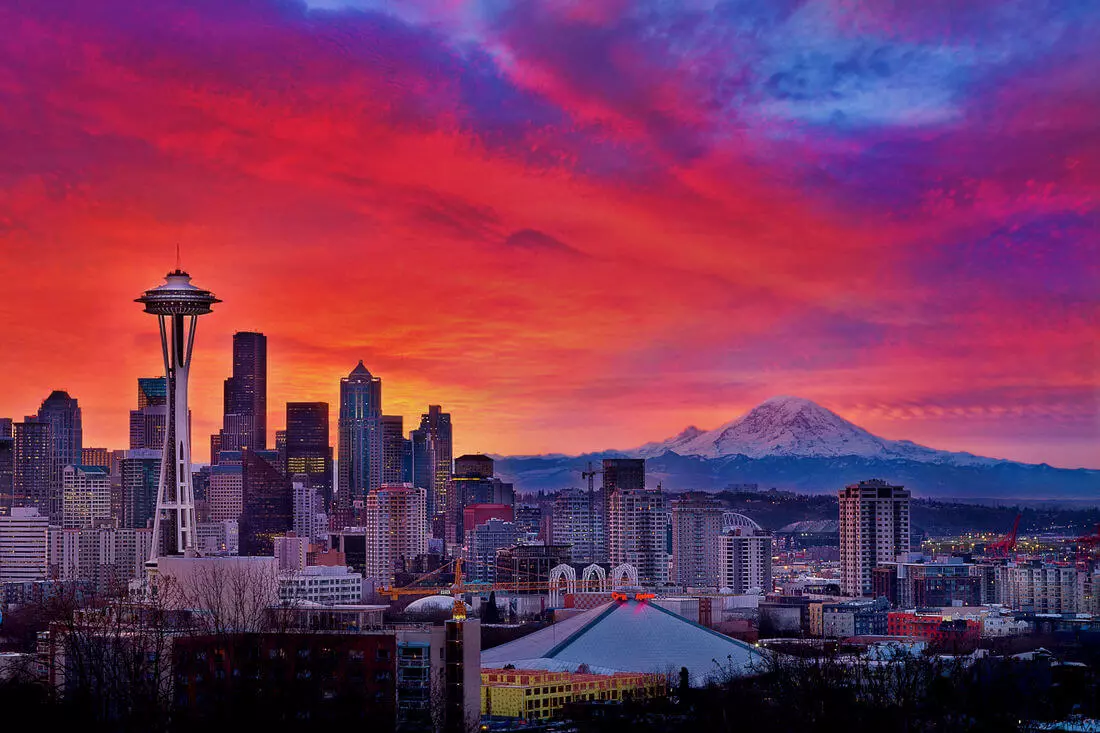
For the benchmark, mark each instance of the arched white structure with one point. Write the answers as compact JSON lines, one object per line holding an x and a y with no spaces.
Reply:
{"x":624,"y":576}
{"x":733,"y":521}
{"x":562,"y":578}
{"x":598,"y":573}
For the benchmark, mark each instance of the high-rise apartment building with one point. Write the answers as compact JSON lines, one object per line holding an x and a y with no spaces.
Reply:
{"x":576,"y":522}
{"x":395,"y":529}
{"x":267,"y":503}
{"x":396,"y":468}
{"x":696,"y":525}
{"x":432,"y":468}
{"x":24,"y":537}
{"x":245,"y":395}
{"x":744,"y":555}
{"x":5,"y":427}
{"x":638,"y":519}
{"x":86,"y":496}
{"x":308,"y":452}
{"x":360,"y":440}
{"x":106,"y":557}
{"x":1040,"y":587}
{"x":33,"y":461}
{"x":874,"y":530}
{"x":616,"y":473}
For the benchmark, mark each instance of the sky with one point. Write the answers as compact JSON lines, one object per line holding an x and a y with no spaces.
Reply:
{"x":576,"y":225}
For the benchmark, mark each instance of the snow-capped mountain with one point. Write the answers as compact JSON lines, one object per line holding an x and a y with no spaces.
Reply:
{"x":796,"y":427}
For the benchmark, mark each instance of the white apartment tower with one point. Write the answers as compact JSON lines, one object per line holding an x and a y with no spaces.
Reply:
{"x":637,"y":521}
{"x":874,"y":529}
{"x":85,"y":496}
{"x":24,"y":535}
{"x":744,"y":555}
{"x":576,"y":523}
{"x":696,"y":525}
{"x":396,"y":528}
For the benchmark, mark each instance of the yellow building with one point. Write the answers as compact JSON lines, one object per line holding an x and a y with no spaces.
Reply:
{"x":534,"y":693}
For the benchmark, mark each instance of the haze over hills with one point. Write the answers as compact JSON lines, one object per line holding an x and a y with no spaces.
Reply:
{"x":794,"y":443}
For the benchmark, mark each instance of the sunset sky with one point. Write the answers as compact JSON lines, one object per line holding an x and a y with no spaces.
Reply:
{"x":577,"y":225}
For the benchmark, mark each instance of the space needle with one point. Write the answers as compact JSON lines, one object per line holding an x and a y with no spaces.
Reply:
{"x":177,"y":304}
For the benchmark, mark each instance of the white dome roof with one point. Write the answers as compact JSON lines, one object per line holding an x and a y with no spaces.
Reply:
{"x":433,"y":604}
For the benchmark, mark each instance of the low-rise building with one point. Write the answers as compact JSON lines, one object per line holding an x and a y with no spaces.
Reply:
{"x":321,"y":584}
{"x":860,"y":617}
{"x":534,"y":694}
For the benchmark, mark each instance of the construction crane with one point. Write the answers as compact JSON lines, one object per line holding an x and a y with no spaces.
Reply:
{"x":1007,"y":544}
{"x":1087,"y":545}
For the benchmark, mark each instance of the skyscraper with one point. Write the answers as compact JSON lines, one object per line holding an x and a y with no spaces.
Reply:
{"x":149,"y":422}
{"x":394,"y":451}
{"x":436,"y":444}
{"x":395,"y":526}
{"x":638,"y":520}
{"x":360,"y":440}
{"x":62,"y":413}
{"x":308,"y":452}
{"x":33,"y":463}
{"x":874,"y":529}
{"x":173,"y":302}
{"x":140,"y":470}
{"x":245,"y":394}
{"x":696,"y":524}
{"x":267,"y":503}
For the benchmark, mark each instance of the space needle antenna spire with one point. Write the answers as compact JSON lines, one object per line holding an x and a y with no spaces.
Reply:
{"x":177,"y":304}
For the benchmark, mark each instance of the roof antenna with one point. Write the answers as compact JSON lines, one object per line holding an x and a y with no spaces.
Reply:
{"x":178,"y":268}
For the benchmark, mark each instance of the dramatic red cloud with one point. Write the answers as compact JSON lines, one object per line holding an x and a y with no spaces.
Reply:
{"x":575,"y":226}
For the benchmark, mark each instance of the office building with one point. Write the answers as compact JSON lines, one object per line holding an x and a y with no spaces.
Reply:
{"x":245,"y":395}
{"x":267,"y":503}
{"x":473,"y":483}
{"x":576,"y":522}
{"x":696,"y":525}
{"x":33,"y":461}
{"x":7,"y":468}
{"x":942,"y":583}
{"x":482,"y":543}
{"x":861,"y":617}
{"x":433,"y":456}
{"x":86,"y":496}
{"x":218,"y":538}
{"x":308,"y":452}
{"x":173,"y":302}
{"x":280,"y":449}
{"x":100,"y":457}
{"x":396,"y":468}
{"x":149,"y":422}
{"x":24,"y":539}
{"x":874,"y":530}
{"x":140,"y":476}
{"x":321,"y":584}
{"x":225,"y":497}
{"x":395,"y":530}
{"x":62,"y":413}
{"x":637,"y":520}
{"x":360,"y":441}
{"x":744,"y":556}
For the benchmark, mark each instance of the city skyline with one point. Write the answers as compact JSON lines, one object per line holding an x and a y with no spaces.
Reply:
{"x":887,"y":210}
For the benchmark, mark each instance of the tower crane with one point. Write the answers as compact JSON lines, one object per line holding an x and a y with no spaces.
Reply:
{"x":1007,"y":544}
